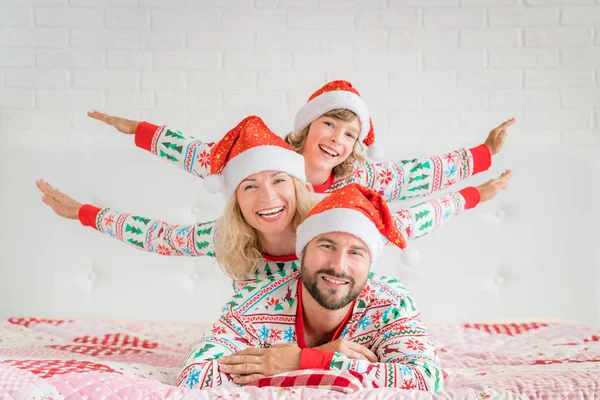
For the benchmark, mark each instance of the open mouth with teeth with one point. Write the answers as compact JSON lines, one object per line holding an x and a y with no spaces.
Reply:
{"x":328,"y":151}
{"x":271,"y":213}
{"x":333,"y":281}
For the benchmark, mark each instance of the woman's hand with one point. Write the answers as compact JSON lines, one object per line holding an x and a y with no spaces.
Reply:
{"x":496,"y":138}
{"x":62,"y":204}
{"x":491,"y":188}
{"x":126,"y":126}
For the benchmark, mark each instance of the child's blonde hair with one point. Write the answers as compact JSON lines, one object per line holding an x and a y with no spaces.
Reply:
{"x":237,"y":242}
{"x":298,"y":140}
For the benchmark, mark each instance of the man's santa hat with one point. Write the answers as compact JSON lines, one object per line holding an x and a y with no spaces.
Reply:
{"x":361,"y":212}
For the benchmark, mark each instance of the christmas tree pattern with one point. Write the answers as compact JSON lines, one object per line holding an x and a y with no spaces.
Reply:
{"x":395,"y":333}
{"x":184,"y":240}
{"x":394,"y":180}
{"x":190,"y":154}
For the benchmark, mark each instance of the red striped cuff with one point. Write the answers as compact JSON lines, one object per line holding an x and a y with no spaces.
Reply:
{"x":88,"y":214}
{"x":144,"y":134}
{"x":482,"y":158}
{"x":315,"y":359}
{"x":471,"y":195}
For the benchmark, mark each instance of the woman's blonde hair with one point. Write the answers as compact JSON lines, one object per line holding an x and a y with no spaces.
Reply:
{"x":237,"y":242}
{"x":298,"y":140}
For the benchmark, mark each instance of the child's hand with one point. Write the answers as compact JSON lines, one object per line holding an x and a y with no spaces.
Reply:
{"x":491,"y":188}
{"x":123,"y":125}
{"x":62,"y":204}
{"x":495,"y":140}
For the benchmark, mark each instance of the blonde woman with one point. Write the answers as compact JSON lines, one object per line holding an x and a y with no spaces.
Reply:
{"x":255,"y":237}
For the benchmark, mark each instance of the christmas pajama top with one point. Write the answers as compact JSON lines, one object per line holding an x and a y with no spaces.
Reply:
{"x":383,"y":318}
{"x":199,"y":239}
{"x":393,"y":180}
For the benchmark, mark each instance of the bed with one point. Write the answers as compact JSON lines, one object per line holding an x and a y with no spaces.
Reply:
{"x":126,"y":359}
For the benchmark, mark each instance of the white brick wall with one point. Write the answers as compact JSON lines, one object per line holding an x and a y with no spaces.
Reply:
{"x":432,"y":71}
{"x":507,"y":52}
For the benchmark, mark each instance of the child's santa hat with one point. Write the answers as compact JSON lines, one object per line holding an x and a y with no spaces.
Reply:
{"x":340,"y":94}
{"x":249,"y":148}
{"x":361,"y":212}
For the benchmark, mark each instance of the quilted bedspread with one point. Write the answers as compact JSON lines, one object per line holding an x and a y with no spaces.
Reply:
{"x":99,"y":359}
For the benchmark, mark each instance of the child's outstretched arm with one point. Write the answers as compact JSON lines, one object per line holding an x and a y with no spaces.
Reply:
{"x":401,"y":180}
{"x":188,"y":153}
{"x":142,"y":233}
{"x":425,"y":217}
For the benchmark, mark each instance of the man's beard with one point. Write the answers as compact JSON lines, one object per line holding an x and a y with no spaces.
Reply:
{"x":324,"y":300}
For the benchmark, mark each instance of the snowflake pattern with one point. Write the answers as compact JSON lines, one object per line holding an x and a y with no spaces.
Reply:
{"x":163,"y":250}
{"x":451,"y":171}
{"x":289,"y":335}
{"x":447,"y":214}
{"x":406,"y":370}
{"x":263,"y":333}
{"x":275,"y":334}
{"x":376,"y":316}
{"x":109,"y":219}
{"x":204,"y":159}
{"x":408,"y":384}
{"x":368,"y":295}
{"x":364,"y":322}
{"x":415,"y":345}
{"x":183,"y":231}
{"x":193,"y":378}
{"x":357,"y":173}
{"x":449,"y":158}
{"x":385,"y":177}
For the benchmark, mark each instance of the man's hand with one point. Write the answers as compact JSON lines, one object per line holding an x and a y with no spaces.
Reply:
{"x":123,"y":125}
{"x":254,"y":364}
{"x":491,"y":188}
{"x":495,"y":140}
{"x":349,"y":349}
{"x":62,"y":204}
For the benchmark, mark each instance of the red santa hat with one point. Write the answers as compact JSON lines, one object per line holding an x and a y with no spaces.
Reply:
{"x":249,"y":148}
{"x":359,"y":211}
{"x":340,"y":94}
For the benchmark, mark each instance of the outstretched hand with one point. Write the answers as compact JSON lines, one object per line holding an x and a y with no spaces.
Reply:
{"x":491,"y":188}
{"x":123,"y":125}
{"x":60,"y":203}
{"x":496,"y":138}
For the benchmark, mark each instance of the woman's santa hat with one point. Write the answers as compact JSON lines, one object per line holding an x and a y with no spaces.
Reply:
{"x":361,"y":212}
{"x":249,"y":148}
{"x":340,"y":94}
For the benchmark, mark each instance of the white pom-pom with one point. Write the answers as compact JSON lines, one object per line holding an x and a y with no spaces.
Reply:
{"x":213,"y":183}
{"x":375,"y":152}
{"x":410,"y":256}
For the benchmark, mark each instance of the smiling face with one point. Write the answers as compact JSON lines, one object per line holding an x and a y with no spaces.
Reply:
{"x":330,"y":141}
{"x":335,"y":268}
{"x":267,"y":201}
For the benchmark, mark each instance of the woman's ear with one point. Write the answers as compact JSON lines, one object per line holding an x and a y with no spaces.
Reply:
{"x":310,"y":187}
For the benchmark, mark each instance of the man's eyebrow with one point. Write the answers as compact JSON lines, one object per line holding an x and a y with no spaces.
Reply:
{"x":359,"y":247}
{"x":324,"y":239}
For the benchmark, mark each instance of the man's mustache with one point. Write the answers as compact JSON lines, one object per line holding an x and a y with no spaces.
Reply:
{"x":334,"y":274}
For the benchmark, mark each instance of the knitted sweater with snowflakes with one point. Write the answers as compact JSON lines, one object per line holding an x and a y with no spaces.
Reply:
{"x":383,"y":318}
{"x":199,"y":239}
{"x":393,"y":180}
